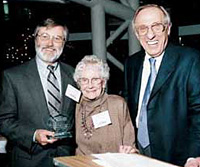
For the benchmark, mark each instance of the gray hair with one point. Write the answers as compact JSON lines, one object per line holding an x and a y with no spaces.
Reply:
{"x":94,"y":60}
{"x":49,"y":23}
{"x":167,"y":19}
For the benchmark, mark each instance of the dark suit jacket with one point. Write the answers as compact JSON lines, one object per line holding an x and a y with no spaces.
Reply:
{"x":174,"y":104}
{"x":23,"y":109}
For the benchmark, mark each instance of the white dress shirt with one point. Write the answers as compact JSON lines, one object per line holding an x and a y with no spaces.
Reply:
{"x":145,"y":76}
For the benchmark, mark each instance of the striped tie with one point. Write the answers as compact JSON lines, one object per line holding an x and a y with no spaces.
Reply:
{"x":53,"y":92}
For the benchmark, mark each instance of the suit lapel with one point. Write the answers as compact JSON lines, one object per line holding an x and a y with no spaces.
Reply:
{"x":65,"y":80}
{"x":167,"y":67}
{"x":64,"y":87}
{"x":138,"y":75}
{"x":36,"y":88}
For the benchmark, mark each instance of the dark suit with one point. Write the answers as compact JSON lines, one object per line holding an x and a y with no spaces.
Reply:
{"x":173,"y":110}
{"x":23,"y":110}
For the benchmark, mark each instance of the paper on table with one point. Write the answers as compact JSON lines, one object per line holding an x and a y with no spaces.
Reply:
{"x":129,"y":160}
{"x":101,"y":163}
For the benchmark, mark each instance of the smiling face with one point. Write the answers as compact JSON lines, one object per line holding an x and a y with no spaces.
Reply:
{"x":91,"y":83}
{"x":47,"y":44}
{"x":153,"y":42}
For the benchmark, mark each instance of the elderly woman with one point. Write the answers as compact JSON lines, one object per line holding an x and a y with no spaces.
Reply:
{"x":103,"y":122}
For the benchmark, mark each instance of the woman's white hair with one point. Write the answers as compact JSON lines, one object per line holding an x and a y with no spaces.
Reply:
{"x":94,"y":60}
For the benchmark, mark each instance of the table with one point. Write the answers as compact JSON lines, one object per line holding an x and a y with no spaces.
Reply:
{"x":75,"y":161}
{"x":113,"y":159}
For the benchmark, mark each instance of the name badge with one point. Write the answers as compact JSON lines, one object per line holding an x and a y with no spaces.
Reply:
{"x":73,"y":93}
{"x":101,"y":119}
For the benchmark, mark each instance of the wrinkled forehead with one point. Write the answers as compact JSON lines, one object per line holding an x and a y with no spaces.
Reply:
{"x":52,"y":30}
{"x":149,"y":15}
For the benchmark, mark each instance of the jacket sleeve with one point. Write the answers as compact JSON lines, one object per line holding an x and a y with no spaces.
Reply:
{"x":125,"y":89}
{"x":15,"y":131}
{"x":194,"y":109}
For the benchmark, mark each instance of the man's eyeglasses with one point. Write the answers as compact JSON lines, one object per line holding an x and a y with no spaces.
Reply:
{"x":85,"y":81}
{"x":156,"y":28}
{"x":46,"y":37}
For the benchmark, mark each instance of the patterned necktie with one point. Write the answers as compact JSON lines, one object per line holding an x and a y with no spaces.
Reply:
{"x":53,"y":92}
{"x":143,"y":136}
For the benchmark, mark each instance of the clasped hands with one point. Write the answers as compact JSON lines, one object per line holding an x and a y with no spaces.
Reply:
{"x":127,"y":149}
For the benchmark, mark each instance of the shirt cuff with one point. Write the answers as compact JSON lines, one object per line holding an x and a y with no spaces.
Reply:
{"x":189,"y":159}
{"x":34,"y":140}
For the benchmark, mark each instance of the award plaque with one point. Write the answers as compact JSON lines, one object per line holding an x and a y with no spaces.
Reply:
{"x":61,"y":126}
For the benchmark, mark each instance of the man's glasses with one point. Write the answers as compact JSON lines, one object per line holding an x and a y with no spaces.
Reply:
{"x":156,"y":28}
{"x":86,"y":81}
{"x":46,"y":37}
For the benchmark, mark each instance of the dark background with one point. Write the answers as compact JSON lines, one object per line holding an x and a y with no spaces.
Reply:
{"x":18,"y":26}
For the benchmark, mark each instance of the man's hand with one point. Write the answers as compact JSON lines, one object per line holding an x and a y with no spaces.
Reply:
{"x":193,"y":162}
{"x":44,"y":137}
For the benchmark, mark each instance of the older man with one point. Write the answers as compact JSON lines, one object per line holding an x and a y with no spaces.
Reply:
{"x":162,"y":86}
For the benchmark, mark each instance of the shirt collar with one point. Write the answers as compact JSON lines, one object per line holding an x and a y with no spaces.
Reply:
{"x":43,"y":65}
{"x":147,"y":56}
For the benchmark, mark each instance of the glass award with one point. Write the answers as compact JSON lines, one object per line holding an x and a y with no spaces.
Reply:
{"x":61,"y":125}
